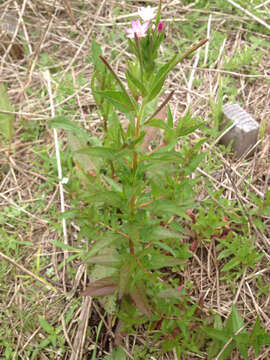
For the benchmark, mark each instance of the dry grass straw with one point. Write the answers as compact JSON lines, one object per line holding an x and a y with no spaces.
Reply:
{"x":64,"y":30}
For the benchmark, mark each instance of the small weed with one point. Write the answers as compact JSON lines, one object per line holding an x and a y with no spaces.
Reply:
{"x":241,"y":252}
{"x":244,"y":60}
{"x":225,"y":338}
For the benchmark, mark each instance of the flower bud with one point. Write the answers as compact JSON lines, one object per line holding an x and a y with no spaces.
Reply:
{"x":160,"y":27}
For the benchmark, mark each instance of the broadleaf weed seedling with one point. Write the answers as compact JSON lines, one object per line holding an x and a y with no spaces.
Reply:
{"x":132,"y":200}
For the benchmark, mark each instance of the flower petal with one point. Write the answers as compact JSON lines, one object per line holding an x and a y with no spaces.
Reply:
{"x":147,"y":13}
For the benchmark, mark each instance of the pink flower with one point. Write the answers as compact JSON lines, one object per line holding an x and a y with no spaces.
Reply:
{"x":160,"y":27}
{"x":138,"y":28}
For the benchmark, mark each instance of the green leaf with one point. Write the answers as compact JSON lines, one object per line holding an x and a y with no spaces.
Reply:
{"x":99,"y":152}
{"x":234,"y":262}
{"x":165,"y":247}
{"x":6,"y":120}
{"x":117,"y":354}
{"x":159,"y":80}
{"x":256,"y":331}
{"x":194,"y":163}
{"x":169,"y":117}
{"x":169,"y":207}
{"x":216,"y":345}
{"x":162,"y":155}
{"x":160,"y":77}
{"x":161,"y":233}
{"x":131,"y":80}
{"x":156,"y":87}
{"x":40,"y":346}
{"x":217,"y":334}
{"x":114,"y":185}
{"x":125,"y":273}
{"x":242,"y":343}
{"x":186,"y":125}
{"x":138,"y":295}
{"x":61,"y":122}
{"x":64,"y":246}
{"x":258,"y":337}
{"x":46,"y":326}
{"x":84,"y":161}
{"x":218,"y":322}
{"x":109,"y":198}
{"x":224,"y":254}
{"x":159,"y":261}
{"x":95,"y":52}
{"x":118,"y":99}
{"x":264,"y":339}
{"x":157,"y":123}
{"x":237,"y":321}
{"x":104,"y":241}
{"x":108,"y":302}
{"x":107,"y":259}
{"x":227,"y":352}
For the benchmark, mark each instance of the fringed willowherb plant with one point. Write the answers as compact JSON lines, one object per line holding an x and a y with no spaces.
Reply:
{"x":133,"y":199}
{"x":132,"y":202}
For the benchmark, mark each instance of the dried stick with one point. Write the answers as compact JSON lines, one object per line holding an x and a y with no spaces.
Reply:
{"x":254,"y":17}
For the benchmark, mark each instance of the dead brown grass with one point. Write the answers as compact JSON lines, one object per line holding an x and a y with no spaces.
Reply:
{"x":64,"y":30}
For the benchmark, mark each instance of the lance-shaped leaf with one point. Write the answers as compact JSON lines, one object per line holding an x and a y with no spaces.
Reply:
{"x":106,"y":259}
{"x":133,"y":81}
{"x":61,"y":122}
{"x":124,"y":278}
{"x":158,"y":123}
{"x":95,"y":53}
{"x":159,"y":261}
{"x":110,"y":198}
{"x":103,"y":241}
{"x":258,"y":337}
{"x":138,"y":295}
{"x":99,"y":152}
{"x":187,"y":125}
{"x":160,"y":77}
{"x":162,"y":233}
{"x":101,"y":287}
{"x":159,"y":80}
{"x":84,"y":160}
{"x":118,"y":99}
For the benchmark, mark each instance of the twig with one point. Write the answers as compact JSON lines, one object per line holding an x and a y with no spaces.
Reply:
{"x":23,"y":210}
{"x":28,"y":272}
{"x":66,"y":334}
{"x":60,"y":174}
{"x":58,"y":159}
{"x":254,"y":17}
{"x":208,"y":36}
{"x":82,"y":327}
